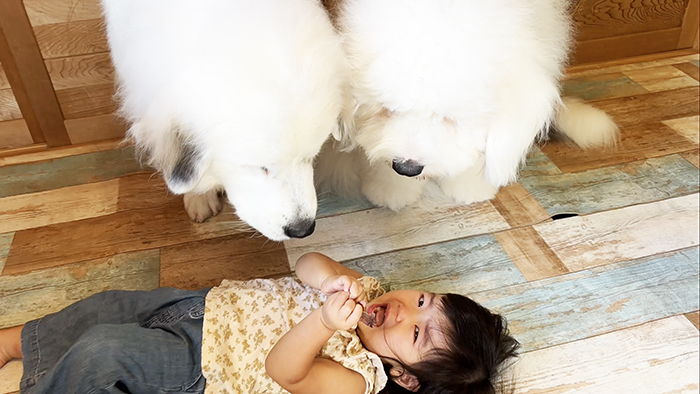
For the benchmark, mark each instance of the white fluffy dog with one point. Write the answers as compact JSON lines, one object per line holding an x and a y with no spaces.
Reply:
{"x":236,"y":95}
{"x":452,"y":92}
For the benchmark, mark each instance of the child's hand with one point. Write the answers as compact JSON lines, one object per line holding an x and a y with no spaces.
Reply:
{"x":335,"y":283}
{"x":340,"y":312}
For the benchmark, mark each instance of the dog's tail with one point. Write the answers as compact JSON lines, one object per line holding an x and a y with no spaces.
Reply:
{"x":585,"y":125}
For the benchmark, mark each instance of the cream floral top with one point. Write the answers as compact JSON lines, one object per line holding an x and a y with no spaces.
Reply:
{"x":244,"y":320}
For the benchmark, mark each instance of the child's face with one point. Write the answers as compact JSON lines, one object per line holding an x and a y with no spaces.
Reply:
{"x":405,"y":328}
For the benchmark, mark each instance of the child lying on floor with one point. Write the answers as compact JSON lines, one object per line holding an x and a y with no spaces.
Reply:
{"x":265,"y":336}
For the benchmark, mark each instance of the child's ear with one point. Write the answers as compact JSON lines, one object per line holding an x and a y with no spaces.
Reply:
{"x":404,"y":379}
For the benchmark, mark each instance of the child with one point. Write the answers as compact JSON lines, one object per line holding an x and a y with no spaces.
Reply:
{"x":265,"y":336}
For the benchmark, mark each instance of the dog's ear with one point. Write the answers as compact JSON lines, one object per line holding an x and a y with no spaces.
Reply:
{"x":188,"y":165}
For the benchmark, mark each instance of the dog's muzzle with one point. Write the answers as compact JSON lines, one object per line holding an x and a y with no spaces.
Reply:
{"x":407,"y":167}
{"x":300,"y":229}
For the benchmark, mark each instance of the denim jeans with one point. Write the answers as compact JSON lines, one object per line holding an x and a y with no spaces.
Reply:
{"x":118,"y":342}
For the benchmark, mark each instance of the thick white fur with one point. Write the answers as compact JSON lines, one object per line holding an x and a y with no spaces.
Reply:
{"x":254,"y":86}
{"x":461,"y":87}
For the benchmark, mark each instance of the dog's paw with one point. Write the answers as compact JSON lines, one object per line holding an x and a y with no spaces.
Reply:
{"x":385,"y":188}
{"x":201,"y":207}
{"x":467,"y":188}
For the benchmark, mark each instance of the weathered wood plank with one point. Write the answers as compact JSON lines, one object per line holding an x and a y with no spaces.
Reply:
{"x":122,"y":232}
{"x":687,"y":127}
{"x":380,"y":230}
{"x":5,"y":243}
{"x":690,"y":69}
{"x":518,"y":207}
{"x":36,"y":294}
{"x":637,"y":231}
{"x":604,"y":86}
{"x":10,"y":375}
{"x":460,"y":266}
{"x":528,"y":251}
{"x":202,"y":264}
{"x":656,"y":357}
{"x":657,"y":79}
{"x":637,"y":143}
{"x":613,"y":187}
{"x":58,"y":206}
{"x":330,"y":204}
{"x":694,"y":317}
{"x":693,"y":157}
{"x":67,"y":171}
{"x":583,"y":304}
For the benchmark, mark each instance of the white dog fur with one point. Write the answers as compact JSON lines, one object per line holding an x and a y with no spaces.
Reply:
{"x":236,"y":95}
{"x":459,"y":88}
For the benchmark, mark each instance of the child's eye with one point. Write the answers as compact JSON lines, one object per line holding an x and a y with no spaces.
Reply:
{"x":416,"y":331}
{"x":421,"y":301}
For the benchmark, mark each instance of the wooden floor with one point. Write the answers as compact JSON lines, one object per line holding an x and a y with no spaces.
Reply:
{"x":593,"y":256}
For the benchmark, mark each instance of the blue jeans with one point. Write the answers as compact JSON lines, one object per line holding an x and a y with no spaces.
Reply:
{"x":118,"y":342}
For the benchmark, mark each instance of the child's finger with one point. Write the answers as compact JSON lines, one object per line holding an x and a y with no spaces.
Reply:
{"x":354,"y":317}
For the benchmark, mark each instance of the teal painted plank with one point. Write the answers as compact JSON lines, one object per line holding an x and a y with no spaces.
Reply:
{"x":602,"y":87}
{"x":67,"y":171}
{"x":604,"y":299}
{"x":330,"y":204}
{"x":460,"y":266}
{"x":538,"y":164}
{"x":5,"y":243}
{"x":615,"y":186}
{"x":35,"y":294}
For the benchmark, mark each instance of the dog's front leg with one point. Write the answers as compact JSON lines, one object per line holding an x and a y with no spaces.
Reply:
{"x":201,"y":207}
{"x":469,"y":186}
{"x":382,"y":186}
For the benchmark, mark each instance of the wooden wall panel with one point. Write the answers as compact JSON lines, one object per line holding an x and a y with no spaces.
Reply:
{"x":9,"y":109}
{"x":75,"y":71}
{"x":14,"y":133}
{"x":597,"y":19}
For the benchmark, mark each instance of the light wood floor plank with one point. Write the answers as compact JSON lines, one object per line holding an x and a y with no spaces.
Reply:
{"x":459,"y":266}
{"x":693,"y":157}
{"x":687,"y":127}
{"x":528,"y":251}
{"x":30,"y":296}
{"x":583,"y":304}
{"x":58,"y":205}
{"x":694,"y":317}
{"x":5,"y":244}
{"x":518,"y":207}
{"x":657,"y":79}
{"x":615,"y":186}
{"x":690,"y":69}
{"x":638,"y":142}
{"x":67,"y":171}
{"x":380,"y":230}
{"x":10,"y":375}
{"x":623,"y":234}
{"x":659,"y":357}
{"x":104,"y":236}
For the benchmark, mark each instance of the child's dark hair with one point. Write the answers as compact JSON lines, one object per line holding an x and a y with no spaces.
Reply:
{"x":478,"y":345}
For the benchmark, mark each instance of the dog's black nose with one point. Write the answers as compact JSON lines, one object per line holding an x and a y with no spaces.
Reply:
{"x":407,"y":167}
{"x":300,"y":229}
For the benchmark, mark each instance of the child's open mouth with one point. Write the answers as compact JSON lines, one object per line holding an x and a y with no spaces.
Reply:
{"x":374,"y":316}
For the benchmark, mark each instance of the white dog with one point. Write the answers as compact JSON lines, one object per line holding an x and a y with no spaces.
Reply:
{"x":452,"y":92}
{"x":236,"y":95}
